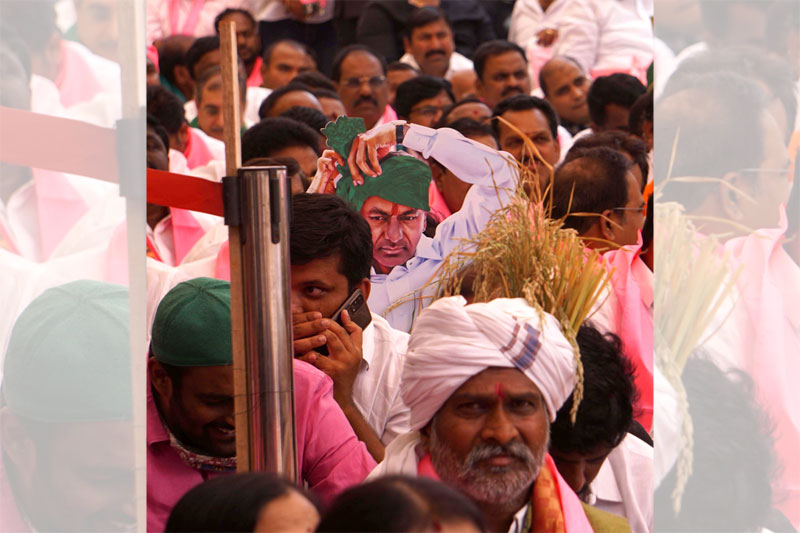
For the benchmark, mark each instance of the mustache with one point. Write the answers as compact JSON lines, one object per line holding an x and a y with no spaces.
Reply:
{"x":512,"y":89}
{"x":367,"y":99}
{"x":515,"y":449}
{"x":430,"y":53}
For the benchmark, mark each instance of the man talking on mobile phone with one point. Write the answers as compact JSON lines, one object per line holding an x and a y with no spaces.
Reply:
{"x":331,"y":255}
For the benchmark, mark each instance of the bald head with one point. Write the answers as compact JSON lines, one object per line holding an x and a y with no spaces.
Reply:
{"x":565,"y":86}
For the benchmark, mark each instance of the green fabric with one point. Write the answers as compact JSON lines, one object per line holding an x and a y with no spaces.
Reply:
{"x":605,"y":522}
{"x":171,"y":88}
{"x":405,"y":180}
{"x":68,"y":357}
{"x":192,"y":326}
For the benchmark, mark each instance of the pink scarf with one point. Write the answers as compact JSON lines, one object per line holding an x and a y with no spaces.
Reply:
{"x":59,"y":207}
{"x":196,"y":152}
{"x":76,"y":81}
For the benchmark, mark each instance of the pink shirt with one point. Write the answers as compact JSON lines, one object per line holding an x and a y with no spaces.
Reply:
{"x":330,"y":457}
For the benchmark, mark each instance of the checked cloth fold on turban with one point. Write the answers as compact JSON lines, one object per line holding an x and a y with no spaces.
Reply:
{"x":452,"y":341}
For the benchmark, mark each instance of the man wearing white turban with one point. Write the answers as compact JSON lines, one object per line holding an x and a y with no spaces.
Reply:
{"x":482,"y":382}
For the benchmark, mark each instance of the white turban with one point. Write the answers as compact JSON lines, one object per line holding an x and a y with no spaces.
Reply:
{"x":452,"y":341}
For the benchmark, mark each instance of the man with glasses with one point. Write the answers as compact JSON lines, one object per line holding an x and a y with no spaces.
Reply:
{"x":360,"y":79}
{"x":423,"y":99}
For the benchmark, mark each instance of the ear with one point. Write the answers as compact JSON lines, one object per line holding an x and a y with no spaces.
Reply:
{"x":594,"y":127}
{"x":159,"y":379}
{"x":479,"y":87}
{"x":606,"y":226}
{"x":366,"y":286}
{"x":18,"y":445}
{"x":264,"y":67}
{"x":729,"y":199}
{"x":437,"y":174}
{"x":183,"y":135}
{"x":407,"y":45}
{"x":425,"y":435}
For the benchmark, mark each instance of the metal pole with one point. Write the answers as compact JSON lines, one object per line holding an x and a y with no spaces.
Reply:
{"x":265,"y":212}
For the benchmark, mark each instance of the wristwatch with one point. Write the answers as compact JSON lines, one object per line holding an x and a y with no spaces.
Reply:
{"x":398,"y":133}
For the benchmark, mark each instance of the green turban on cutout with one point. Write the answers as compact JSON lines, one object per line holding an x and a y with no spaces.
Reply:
{"x":68,"y":357}
{"x":192,"y":326}
{"x":405,"y":180}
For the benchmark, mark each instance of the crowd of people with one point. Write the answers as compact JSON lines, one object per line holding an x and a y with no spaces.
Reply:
{"x":488,"y":384}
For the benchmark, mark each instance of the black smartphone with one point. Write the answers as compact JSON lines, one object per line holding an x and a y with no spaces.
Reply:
{"x":356,"y":307}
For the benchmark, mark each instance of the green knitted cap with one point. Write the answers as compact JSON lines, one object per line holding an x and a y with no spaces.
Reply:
{"x":404,"y":181}
{"x":68,"y":357}
{"x":192,"y":326}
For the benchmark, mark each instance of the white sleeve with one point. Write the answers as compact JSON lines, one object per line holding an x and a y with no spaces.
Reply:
{"x":493,"y":175}
{"x":579,"y":33}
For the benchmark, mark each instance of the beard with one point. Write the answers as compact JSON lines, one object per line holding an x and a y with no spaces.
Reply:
{"x":483,"y":482}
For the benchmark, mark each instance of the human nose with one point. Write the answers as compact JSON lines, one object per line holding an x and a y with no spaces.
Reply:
{"x":393,"y":232}
{"x":499,"y":427}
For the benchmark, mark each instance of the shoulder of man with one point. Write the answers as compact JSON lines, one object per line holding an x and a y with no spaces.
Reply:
{"x":605,"y":522}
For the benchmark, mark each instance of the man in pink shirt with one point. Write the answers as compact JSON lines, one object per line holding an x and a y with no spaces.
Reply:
{"x":190,"y":421}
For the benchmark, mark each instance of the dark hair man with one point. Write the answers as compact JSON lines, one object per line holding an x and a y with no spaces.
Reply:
{"x":298,"y":179}
{"x":397,"y":73}
{"x":174,"y":73}
{"x":632,"y":147}
{"x":66,"y":419}
{"x":596,"y":454}
{"x":599,"y":181}
{"x":536,"y":119}
{"x":610,"y":99}
{"x":565,"y":86}
{"x":422,"y":100}
{"x":291,"y":95}
{"x":208,"y":97}
{"x":360,"y":79}
{"x":502,"y":70}
{"x":283,"y":60}
{"x":282,"y":137}
{"x":429,"y":45}
{"x":203,"y":53}
{"x":331,"y":104}
{"x":191,"y":432}
{"x":248,"y":43}
{"x":640,"y":120}
{"x":168,"y":109}
{"x":331,"y":253}
{"x":315,"y":80}
{"x":481,"y":413}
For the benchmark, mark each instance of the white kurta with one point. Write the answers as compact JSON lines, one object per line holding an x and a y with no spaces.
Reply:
{"x":457,"y":62}
{"x":471,"y":162}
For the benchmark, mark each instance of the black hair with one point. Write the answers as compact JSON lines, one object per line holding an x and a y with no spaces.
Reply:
{"x":292,"y":167}
{"x":324,"y":225}
{"x":648,"y":229}
{"x":491,"y":49}
{"x":325,"y":93}
{"x":775,"y":73}
{"x":544,"y":69}
{"x":171,"y":54}
{"x":641,"y":111}
{"x":719,"y":118}
{"x":228,"y":503}
{"x":523,"y":102}
{"x":412,"y":91}
{"x":166,"y":108}
{"x":469,"y":127}
{"x":400,"y":503}
{"x":270,"y":101}
{"x":620,"y":141}
{"x":153,"y":122}
{"x":199,"y":48}
{"x":276,"y":133}
{"x":595,"y":180}
{"x":446,"y":113}
{"x":620,"y":89}
{"x":336,"y":71}
{"x":313,"y":118}
{"x":606,"y":412}
{"x":422,"y":16}
{"x":733,"y":461}
{"x":399,"y":65}
{"x":267,"y":55}
{"x":231,"y":11}
{"x":315,"y":81}
{"x":206,"y":76}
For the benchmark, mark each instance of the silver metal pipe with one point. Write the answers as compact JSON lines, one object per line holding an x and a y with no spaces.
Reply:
{"x":265,"y":212}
